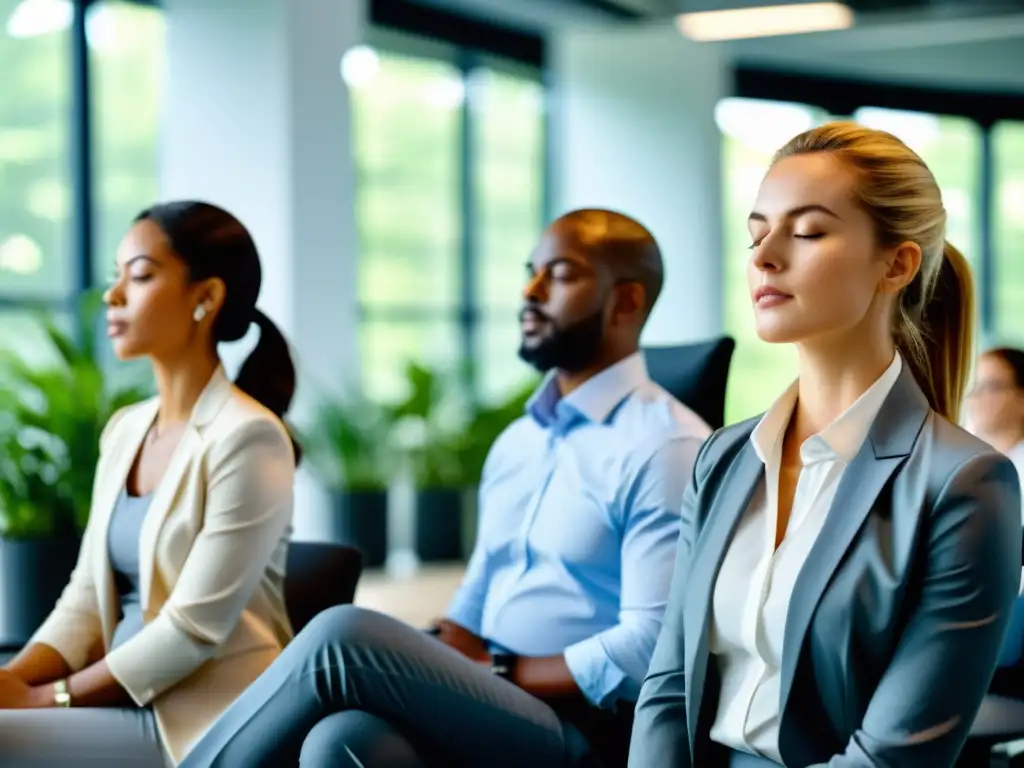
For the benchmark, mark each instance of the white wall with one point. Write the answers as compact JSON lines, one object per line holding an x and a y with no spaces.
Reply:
{"x":257,"y":121}
{"x":634,"y":114}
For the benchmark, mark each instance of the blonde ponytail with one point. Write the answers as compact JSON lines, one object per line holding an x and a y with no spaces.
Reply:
{"x":939,"y":345}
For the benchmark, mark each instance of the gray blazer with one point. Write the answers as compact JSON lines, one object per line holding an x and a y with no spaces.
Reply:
{"x":897,"y":616}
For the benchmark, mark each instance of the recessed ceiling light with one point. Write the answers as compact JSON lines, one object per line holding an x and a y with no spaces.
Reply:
{"x":765,"y":21}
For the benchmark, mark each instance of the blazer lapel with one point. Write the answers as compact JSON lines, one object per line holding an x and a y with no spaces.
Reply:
{"x":112,"y":476}
{"x":210,"y":401}
{"x":890,"y":440}
{"x":734,"y":494}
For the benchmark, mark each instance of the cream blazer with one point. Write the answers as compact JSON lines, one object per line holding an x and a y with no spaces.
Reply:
{"x":211,"y":565}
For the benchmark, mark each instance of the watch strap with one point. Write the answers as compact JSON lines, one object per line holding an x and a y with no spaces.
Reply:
{"x":503,"y":664}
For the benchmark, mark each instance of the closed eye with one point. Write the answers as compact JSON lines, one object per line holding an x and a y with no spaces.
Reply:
{"x":817,"y":236}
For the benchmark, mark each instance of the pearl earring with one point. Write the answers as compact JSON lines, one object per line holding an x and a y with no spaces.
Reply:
{"x":199,"y":314}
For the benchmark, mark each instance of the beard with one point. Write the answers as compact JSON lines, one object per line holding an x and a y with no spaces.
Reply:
{"x":571,"y":348}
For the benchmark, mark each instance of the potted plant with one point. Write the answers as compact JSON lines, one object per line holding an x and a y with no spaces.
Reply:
{"x":486,"y":424}
{"x":51,"y":418}
{"x":454,"y":434}
{"x":428,"y":425}
{"x":348,"y":448}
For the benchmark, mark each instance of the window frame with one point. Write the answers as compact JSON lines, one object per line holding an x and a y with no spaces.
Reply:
{"x":469,"y":313}
{"x":403,"y":27}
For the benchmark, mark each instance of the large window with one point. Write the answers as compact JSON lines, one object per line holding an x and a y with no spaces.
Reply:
{"x":449,"y":152}
{"x":39,"y":256}
{"x":35,"y":185}
{"x":126,"y":47}
{"x":406,"y":144}
{"x":35,"y":194}
{"x":1008,"y":235}
{"x":126,"y":73}
{"x":509,"y":141}
{"x":752,"y":130}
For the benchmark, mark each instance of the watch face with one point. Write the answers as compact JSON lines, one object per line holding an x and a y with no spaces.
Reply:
{"x":501,"y":664}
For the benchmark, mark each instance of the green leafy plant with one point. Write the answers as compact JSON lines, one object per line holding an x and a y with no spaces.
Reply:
{"x":455,"y":430}
{"x":348,"y":445}
{"x":428,"y":424}
{"x":51,"y":419}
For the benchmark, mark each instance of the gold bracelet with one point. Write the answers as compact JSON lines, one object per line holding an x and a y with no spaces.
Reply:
{"x":61,"y":696}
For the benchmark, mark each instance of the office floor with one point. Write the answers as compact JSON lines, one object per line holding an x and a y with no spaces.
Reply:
{"x":417,"y":598}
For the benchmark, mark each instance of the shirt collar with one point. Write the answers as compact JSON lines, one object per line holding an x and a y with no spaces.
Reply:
{"x":842,"y":438}
{"x":594,"y":400}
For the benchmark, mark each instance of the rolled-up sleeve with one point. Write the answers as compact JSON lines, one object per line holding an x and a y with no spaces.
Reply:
{"x":248,"y":510}
{"x":611,"y":665}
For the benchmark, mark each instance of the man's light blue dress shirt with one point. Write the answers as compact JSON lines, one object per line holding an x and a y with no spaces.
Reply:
{"x":580,"y":507}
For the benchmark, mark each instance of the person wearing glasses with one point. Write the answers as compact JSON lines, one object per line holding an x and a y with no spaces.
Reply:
{"x":547,"y":641}
{"x":995,"y":407}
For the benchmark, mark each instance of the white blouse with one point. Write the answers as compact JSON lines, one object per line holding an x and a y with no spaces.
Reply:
{"x":755,"y":583}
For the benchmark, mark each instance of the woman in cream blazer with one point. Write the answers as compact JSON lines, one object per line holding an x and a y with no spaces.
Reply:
{"x":176,"y":603}
{"x":849,"y":560}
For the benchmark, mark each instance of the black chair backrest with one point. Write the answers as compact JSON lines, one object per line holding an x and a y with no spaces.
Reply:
{"x":319,"y":576}
{"x":695,"y":374}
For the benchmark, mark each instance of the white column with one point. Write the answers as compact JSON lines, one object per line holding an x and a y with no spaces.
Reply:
{"x":634,"y":120}
{"x":257,"y":121}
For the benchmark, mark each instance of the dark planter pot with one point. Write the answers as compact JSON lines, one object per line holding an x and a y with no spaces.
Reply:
{"x":439,"y":523}
{"x":361,"y":520}
{"x":33,"y":574}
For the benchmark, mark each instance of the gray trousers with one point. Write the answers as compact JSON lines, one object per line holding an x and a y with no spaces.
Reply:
{"x":362,"y":690}
{"x":79,"y":738}
{"x":739,"y":759}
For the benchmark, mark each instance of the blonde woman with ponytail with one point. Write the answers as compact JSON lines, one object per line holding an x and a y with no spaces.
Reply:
{"x":850,"y":558}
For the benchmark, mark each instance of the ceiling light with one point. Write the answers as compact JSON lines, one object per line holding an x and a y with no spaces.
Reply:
{"x":33,"y":18}
{"x":36,"y":18}
{"x":766,"y":21}
{"x":359,"y":66}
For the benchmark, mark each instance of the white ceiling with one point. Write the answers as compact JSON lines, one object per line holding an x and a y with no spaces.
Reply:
{"x":937,"y":48}
{"x":976,"y":53}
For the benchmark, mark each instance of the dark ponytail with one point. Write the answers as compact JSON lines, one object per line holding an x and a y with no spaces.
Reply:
{"x":213,"y":243}
{"x":268,"y":374}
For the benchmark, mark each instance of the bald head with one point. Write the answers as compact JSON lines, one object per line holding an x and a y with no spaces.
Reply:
{"x":592,"y":281}
{"x":622,"y":244}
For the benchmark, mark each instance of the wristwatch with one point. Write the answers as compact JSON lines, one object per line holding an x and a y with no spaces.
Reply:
{"x":61,"y":696}
{"x":503,"y":664}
